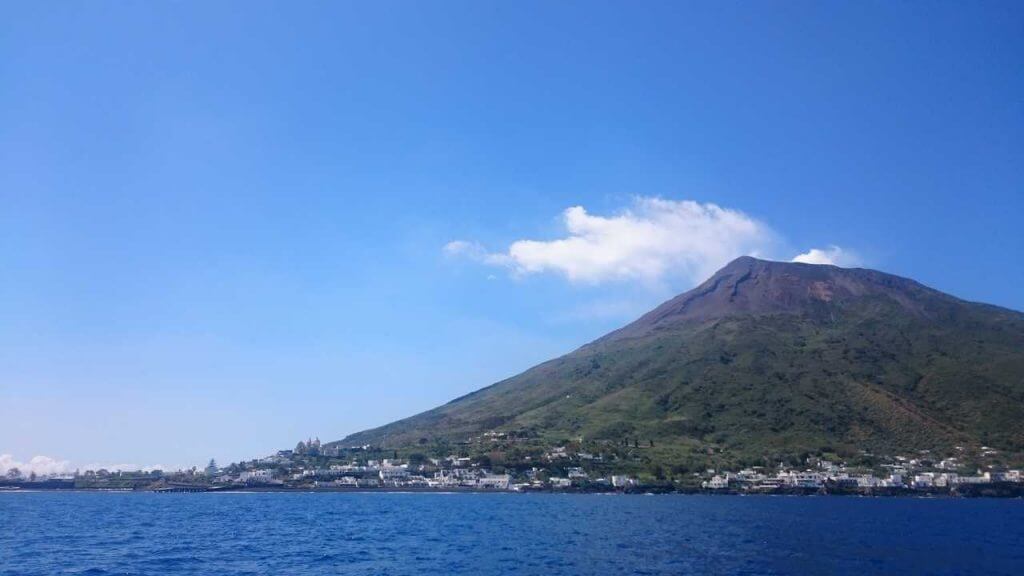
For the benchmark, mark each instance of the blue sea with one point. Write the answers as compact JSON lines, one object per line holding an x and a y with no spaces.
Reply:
{"x":416,"y":534}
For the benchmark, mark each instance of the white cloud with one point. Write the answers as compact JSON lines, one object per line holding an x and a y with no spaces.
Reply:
{"x":457,"y":248}
{"x":649,"y":241}
{"x":473,"y":251}
{"x":46,"y":466}
{"x":832,"y":255}
{"x":652,"y":241}
{"x":41,"y":465}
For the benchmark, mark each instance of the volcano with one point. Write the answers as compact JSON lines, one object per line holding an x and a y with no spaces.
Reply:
{"x":768,"y":358}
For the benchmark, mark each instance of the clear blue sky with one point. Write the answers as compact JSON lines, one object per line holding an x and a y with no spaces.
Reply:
{"x":223,"y":225}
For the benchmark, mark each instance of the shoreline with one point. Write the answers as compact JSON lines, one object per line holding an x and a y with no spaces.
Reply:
{"x":1011,"y":494}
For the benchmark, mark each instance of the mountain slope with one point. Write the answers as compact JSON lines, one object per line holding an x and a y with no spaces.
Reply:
{"x":769,"y":357}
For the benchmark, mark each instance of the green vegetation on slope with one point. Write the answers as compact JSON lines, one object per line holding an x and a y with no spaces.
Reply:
{"x":887,"y":370}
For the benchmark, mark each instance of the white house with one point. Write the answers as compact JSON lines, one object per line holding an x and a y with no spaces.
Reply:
{"x":805,"y":479}
{"x":925,"y":480}
{"x":256,"y":476}
{"x":393,"y":472}
{"x":576,"y":473}
{"x":621,"y":481}
{"x":867,"y":481}
{"x":718,"y":482}
{"x":494,"y":481}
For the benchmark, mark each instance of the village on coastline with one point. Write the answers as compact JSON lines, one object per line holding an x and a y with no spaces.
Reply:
{"x":312,"y":466}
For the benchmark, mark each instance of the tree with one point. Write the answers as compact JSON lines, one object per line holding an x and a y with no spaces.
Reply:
{"x":14,"y":473}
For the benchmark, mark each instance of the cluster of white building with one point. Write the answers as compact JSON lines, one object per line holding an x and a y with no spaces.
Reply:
{"x":453,"y":472}
{"x":949,"y":479}
{"x":900,"y":476}
{"x":400,"y":476}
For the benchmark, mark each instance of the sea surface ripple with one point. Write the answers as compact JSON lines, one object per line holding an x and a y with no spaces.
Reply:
{"x":303,"y":534}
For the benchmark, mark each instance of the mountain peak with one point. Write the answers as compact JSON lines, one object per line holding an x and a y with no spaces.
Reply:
{"x":763,"y":359}
{"x":752,"y":286}
{"x":747,"y":262}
